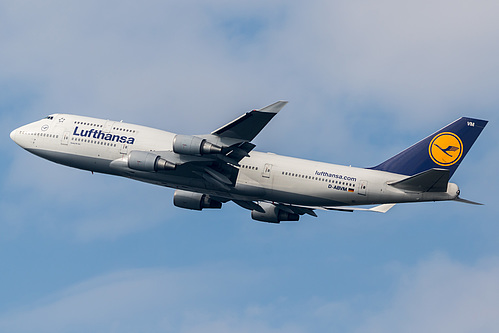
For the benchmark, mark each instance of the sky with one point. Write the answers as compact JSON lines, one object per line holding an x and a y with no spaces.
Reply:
{"x":364,"y":80}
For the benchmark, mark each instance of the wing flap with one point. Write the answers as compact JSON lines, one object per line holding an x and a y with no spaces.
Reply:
{"x":250,"y":205}
{"x":296,"y":209}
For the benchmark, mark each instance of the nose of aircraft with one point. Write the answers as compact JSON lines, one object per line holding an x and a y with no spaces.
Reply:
{"x":13,"y":135}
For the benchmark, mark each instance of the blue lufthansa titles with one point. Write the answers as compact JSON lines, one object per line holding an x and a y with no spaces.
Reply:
{"x":334,"y":175}
{"x":98,"y":134}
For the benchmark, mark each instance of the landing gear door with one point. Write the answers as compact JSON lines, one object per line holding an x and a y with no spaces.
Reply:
{"x":266,"y":170}
{"x":363,"y":187}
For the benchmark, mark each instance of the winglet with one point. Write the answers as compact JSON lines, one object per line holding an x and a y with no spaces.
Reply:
{"x":274,"y":108}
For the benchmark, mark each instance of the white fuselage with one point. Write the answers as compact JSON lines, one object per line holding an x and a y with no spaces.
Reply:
{"x":103,"y":146}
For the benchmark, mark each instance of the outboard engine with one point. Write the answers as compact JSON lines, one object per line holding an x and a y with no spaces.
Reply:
{"x":194,"y":201}
{"x":273,"y":214}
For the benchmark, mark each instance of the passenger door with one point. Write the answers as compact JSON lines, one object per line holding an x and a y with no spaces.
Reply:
{"x":363,"y":187}
{"x":65,"y":138}
{"x":266,"y":170}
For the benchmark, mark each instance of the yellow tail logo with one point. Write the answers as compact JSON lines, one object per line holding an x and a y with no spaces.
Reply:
{"x":445,"y":149}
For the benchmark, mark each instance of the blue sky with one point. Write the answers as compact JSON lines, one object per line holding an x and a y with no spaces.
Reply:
{"x":82,"y":252}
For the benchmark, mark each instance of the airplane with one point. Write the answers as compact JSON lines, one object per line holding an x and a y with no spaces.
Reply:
{"x":209,"y":170}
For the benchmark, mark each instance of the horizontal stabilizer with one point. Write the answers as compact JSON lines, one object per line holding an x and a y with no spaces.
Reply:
{"x":468,"y":201}
{"x":378,"y":209}
{"x":433,"y":180}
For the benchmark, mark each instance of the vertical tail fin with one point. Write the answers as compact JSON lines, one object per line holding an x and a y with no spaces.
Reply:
{"x":444,"y":149}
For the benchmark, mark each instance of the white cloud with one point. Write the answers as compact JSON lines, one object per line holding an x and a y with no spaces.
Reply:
{"x":155,"y":300}
{"x":75,"y":203}
{"x":419,"y":56}
{"x":435,"y":295}
{"x":422,"y":56}
{"x":442,"y":295}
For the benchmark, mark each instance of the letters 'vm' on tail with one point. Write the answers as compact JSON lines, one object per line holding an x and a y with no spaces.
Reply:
{"x":209,"y":170}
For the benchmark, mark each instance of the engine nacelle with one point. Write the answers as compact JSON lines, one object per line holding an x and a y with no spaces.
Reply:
{"x":193,"y":145}
{"x":273,"y":214}
{"x":147,"y":161}
{"x":194,"y":201}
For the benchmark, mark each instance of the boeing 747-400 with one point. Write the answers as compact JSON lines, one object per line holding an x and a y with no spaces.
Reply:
{"x":211,"y":169}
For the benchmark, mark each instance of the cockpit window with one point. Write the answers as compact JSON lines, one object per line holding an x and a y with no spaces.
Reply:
{"x":49,"y":117}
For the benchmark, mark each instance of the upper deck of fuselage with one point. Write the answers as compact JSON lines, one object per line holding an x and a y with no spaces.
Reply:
{"x":78,"y":128}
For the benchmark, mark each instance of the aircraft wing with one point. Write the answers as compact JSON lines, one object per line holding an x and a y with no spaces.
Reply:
{"x":247,"y":126}
{"x":236,"y":136}
{"x":225,"y":148}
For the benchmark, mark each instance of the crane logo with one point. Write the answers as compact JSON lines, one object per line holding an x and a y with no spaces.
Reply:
{"x":446,"y":149}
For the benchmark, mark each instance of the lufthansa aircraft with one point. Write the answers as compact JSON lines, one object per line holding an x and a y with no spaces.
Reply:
{"x":211,"y":169}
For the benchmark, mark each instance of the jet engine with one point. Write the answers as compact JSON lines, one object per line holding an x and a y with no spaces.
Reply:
{"x":273,"y":214}
{"x":147,"y":161}
{"x":193,"y":145}
{"x":194,"y":201}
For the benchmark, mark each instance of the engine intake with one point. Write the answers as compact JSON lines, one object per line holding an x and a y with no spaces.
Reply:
{"x":147,"y":161}
{"x":193,"y":145}
{"x":273,"y":214}
{"x":194,"y":201}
